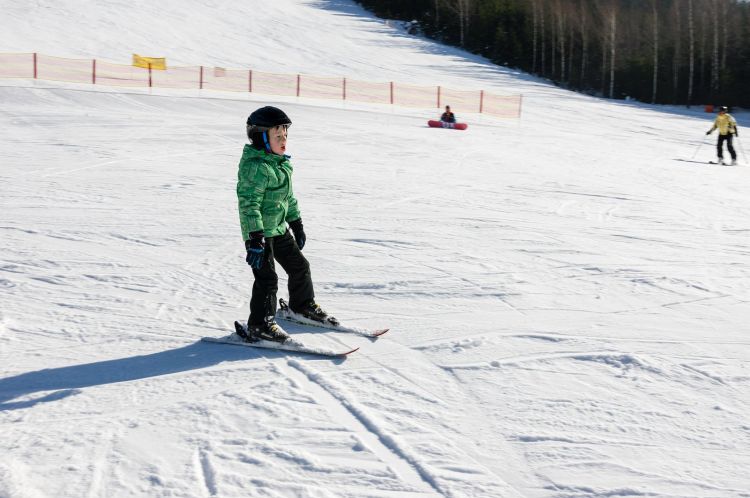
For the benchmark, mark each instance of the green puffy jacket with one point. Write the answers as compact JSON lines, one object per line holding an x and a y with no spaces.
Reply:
{"x":264,"y":193}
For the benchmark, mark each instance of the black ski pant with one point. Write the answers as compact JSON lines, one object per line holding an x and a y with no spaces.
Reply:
{"x":284,"y":250}
{"x":728,"y":139}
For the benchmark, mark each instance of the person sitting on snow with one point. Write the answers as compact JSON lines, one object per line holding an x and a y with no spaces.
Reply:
{"x":727,"y":127}
{"x":448,"y":116}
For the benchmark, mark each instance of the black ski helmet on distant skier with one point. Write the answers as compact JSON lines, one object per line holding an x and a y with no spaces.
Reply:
{"x":263,"y":119}
{"x":723,"y":108}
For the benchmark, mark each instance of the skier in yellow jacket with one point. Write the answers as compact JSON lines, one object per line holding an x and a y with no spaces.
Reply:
{"x":727,"y":127}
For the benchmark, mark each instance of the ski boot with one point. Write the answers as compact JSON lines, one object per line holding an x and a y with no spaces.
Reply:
{"x":734,"y":162}
{"x":266,"y":331}
{"x":312,"y":311}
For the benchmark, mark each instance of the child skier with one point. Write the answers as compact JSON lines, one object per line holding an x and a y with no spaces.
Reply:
{"x":727,"y":126}
{"x":267,"y":206}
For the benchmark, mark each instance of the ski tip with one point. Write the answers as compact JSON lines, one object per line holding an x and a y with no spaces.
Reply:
{"x":378,"y":333}
{"x":349,"y":352}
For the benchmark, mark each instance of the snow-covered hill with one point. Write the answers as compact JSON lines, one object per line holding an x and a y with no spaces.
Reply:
{"x":568,"y":294}
{"x":326,"y":37}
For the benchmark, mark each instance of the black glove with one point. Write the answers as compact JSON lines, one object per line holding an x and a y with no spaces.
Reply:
{"x":299,"y":232}
{"x":736,"y":133}
{"x":255,"y":246}
{"x":708,"y":132}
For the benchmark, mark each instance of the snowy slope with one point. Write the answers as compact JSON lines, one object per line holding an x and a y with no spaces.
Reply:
{"x":568,"y":302}
{"x":280,"y":36}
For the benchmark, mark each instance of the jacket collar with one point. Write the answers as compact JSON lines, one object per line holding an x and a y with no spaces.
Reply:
{"x":251,"y":151}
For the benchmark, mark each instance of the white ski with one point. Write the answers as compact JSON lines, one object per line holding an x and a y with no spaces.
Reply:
{"x":291,"y":345}
{"x":285,"y":313}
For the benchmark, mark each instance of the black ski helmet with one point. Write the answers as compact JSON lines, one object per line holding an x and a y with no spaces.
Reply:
{"x":723,"y":108}
{"x":262,"y":120}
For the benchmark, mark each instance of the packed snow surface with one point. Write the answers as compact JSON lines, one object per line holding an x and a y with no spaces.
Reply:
{"x":568,"y":294}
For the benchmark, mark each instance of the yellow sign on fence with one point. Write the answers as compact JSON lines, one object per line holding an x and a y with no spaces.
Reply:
{"x":154,"y":62}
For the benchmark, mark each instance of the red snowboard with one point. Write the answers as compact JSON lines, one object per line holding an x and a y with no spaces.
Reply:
{"x":443,"y":124}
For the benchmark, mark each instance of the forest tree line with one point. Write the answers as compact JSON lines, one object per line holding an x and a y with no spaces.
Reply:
{"x":687,"y":52}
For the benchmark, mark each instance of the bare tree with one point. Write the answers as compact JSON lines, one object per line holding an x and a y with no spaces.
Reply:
{"x":571,"y":49}
{"x":553,"y":42}
{"x":535,"y":33}
{"x":543,"y":32}
{"x":463,"y":9}
{"x":613,"y":49}
{"x":584,"y":40}
{"x":715,"y":50}
{"x":604,"y":43}
{"x":724,"y":33}
{"x":691,"y":35}
{"x":655,"y":11}
{"x":561,"y":39}
{"x":702,"y":47}
{"x":677,"y":56}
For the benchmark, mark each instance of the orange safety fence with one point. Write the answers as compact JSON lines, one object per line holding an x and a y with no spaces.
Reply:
{"x":97,"y":72}
{"x":17,"y":66}
{"x":367,"y":91}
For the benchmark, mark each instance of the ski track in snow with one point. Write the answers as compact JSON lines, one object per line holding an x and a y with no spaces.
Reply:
{"x":363,"y":428}
{"x":447,"y":467}
{"x":207,"y":473}
{"x":568,"y":303}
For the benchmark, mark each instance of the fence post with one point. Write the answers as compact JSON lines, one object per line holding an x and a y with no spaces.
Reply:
{"x":35,"y":65}
{"x":438,"y":98}
{"x":343,"y":90}
{"x":93,"y":72}
{"x":481,"y":101}
{"x":200,"y":87}
{"x":250,"y":81}
{"x":391,"y":93}
{"x":298,"y":78}
{"x":150,"y":83}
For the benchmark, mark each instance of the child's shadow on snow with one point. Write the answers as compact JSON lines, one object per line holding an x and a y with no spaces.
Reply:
{"x":68,"y":381}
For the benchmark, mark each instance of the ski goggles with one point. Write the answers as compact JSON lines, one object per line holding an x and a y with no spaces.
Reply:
{"x":261,"y":129}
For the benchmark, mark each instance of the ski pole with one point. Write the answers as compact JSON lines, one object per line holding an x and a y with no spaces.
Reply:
{"x":703,"y":141}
